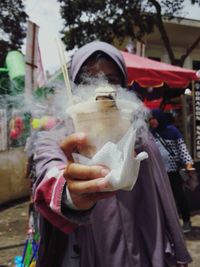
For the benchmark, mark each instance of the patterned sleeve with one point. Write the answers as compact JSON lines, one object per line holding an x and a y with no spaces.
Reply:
{"x":184,"y":154}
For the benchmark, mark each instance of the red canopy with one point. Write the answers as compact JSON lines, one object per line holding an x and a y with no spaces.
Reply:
{"x":151,"y":73}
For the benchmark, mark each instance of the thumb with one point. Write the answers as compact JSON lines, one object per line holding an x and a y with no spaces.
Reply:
{"x":71,"y":143}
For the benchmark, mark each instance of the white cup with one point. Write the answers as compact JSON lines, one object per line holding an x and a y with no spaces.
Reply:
{"x":102,"y":121}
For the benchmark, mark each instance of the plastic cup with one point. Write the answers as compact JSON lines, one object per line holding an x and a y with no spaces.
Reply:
{"x":102,"y":121}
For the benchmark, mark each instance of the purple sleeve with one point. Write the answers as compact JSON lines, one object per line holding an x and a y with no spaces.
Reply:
{"x":48,"y":153}
{"x":49,"y":188}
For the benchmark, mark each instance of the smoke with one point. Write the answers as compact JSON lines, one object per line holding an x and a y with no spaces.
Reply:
{"x":92,"y":121}
{"x":84,"y":94}
{"x":48,"y":106}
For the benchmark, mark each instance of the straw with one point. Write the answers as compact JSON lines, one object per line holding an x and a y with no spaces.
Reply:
{"x":24,"y":252}
{"x":34,"y":252}
{"x":28,"y":253}
{"x":64,"y":70}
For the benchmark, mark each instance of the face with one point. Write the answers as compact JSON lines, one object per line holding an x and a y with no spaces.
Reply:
{"x":153,"y":123}
{"x":104,"y":67}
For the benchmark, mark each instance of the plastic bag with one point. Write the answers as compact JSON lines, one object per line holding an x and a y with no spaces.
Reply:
{"x":190,"y":178}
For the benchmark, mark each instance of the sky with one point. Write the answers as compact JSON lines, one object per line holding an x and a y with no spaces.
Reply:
{"x":46,"y":15}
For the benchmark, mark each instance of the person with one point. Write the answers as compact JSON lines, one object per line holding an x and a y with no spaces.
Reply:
{"x":81,"y":224}
{"x":175,"y":154}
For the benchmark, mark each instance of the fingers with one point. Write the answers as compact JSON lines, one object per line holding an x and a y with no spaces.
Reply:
{"x":84,"y":172}
{"x":83,"y":179}
{"x":86,"y":184}
{"x":86,"y":192}
{"x":72,"y":142}
{"x":89,"y":186}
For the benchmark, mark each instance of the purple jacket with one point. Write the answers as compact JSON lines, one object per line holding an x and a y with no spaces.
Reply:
{"x":138,"y":228}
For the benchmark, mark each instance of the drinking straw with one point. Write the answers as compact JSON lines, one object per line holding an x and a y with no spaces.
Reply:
{"x":24,"y":251}
{"x":34,"y":251}
{"x":28,"y":254}
{"x":64,"y":70}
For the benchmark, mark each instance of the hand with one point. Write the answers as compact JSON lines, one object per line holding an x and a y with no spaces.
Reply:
{"x":189,"y":166}
{"x":193,"y":181}
{"x":85,"y":183}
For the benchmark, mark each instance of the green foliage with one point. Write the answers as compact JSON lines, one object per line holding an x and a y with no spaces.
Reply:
{"x":42,"y":93}
{"x":12,"y":26}
{"x":107,"y":19}
{"x":5,"y":83}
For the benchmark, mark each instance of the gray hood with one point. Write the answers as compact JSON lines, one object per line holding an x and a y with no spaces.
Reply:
{"x":87,"y":50}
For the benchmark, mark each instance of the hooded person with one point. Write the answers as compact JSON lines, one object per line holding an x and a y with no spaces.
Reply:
{"x":175,"y":155}
{"x":83,"y":225}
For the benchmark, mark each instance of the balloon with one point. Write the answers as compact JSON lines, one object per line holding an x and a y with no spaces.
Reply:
{"x":19,"y":123}
{"x":14,"y":133}
{"x":36,"y":123}
{"x":50,"y":123}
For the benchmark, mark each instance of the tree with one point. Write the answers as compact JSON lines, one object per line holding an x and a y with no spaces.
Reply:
{"x":160,"y":25}
{"x":107,"y":20}
{"x":12,"y":26}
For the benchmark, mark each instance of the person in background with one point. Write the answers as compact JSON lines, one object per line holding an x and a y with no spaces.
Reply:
{"x":83,"y":225}
{"x":175,"y":155}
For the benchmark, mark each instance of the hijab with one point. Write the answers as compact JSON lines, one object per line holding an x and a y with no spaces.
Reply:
{"x":164,"y":129}
{"x":159,"y":115}
{"x":89,"y":49}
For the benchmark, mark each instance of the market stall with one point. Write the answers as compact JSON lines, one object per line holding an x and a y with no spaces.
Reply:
{"x":14,"y":129}
{"x":179,"y":89}
{"x":161,"y":85}
{"x":150,"y":73}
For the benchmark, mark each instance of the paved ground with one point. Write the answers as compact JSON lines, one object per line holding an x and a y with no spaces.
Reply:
{"x":193,"y":241}
{"x":13,"y":226}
